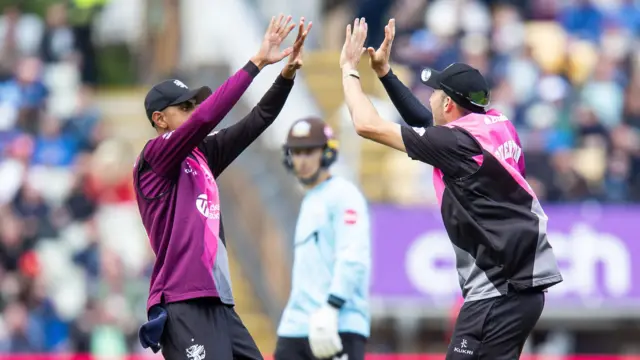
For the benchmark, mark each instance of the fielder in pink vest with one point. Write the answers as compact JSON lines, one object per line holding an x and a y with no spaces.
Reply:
{"x":492,"y":216}
{"x":191,"y":304}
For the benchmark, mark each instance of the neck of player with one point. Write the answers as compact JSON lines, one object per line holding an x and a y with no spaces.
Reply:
{"x":321,"y":176}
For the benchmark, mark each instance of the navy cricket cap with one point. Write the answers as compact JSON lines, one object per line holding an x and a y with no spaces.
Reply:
{"x":172,"y":92}
{"x":463,"y":83}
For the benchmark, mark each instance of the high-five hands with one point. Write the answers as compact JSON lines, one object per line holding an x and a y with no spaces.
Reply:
{"x":270,"y":52}
{"x":353,"y":45}
{"x":379,"y":59}
{"x":295,"y":58}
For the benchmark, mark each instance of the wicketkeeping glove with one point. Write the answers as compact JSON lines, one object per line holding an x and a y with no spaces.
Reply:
{"x":323,"y":332}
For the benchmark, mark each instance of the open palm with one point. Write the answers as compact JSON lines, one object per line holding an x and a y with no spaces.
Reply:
{"x":379,"y":59}
{"x":353,"y":47}
{"x":279,"y":28}
{"x":295,"y":60}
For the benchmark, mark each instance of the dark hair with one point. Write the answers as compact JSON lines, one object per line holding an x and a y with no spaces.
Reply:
{"x":463,"y":111}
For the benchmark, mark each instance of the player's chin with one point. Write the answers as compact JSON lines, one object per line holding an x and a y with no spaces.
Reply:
{"x":304,"y":176}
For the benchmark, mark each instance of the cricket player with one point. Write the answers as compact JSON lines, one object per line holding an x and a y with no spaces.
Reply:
{"x":191,"y":306}
{"x":492,"y":216}
{"x":327,"y":316}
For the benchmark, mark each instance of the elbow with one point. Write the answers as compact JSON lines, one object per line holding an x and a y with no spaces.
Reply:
{"x":424,"y":122}
{"x":365,"y":130}
{"x":357,"y":267}
{"x":358,"y":271}
{"x":361,"y":129}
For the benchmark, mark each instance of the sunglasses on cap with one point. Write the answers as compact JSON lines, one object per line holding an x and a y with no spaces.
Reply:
{"x":480,"y":99}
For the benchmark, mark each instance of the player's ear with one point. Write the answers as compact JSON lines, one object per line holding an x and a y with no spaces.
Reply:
{"x":449,"y":105}
{"x":446,"y":104}
{"x":160,"y":120}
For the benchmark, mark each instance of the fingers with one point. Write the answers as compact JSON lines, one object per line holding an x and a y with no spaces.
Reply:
{"x":386,"y":43}
{"x":365,"y":32}
{"x":356,"y":29}
{"x":288,"y":30}
{"x":284,"y":28}
{"x":392,"y":27}
{"x":300,"y":29}
{"x":286,"y":21}
{"x":302,"y":37}
{"x":270,"y":27}
{"x":299,"y":43}
{"x":347,"y":39}
{"x":306,"y":32}
{"x":279,"y":23}
{"x":276,"y":23}
{"x":355,"y":39}
{"x":371,"y":51}
{"x":360,"y":32}
{"x":302,"y":34}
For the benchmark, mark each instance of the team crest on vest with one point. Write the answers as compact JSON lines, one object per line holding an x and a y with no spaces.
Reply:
{"x":207,"y":208}
{"x":196,"y":352}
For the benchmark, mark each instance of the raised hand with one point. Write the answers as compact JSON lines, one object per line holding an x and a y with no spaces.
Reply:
{"x":353,"y":45}
{"x":295,"y":59}
{"x":379,"y":59}
{"x":270,"y":52}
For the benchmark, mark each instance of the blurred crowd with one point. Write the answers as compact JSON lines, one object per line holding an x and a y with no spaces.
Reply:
{"x":72,"y":271}
{"x":63,"y":284}
{"x":566,"y":72}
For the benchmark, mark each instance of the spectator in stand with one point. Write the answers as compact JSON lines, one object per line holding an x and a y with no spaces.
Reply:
{"x":23,"y":97}
{"x":20,"y":35}
{"x":53,"y":147}
{"x":58,"y":41}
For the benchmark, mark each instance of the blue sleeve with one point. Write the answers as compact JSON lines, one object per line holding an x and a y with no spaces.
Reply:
{"x":351,"y":225}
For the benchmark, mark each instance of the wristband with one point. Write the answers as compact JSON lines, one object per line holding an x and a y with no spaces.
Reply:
{"x":335,"y":301}
{"x":353,"y":73}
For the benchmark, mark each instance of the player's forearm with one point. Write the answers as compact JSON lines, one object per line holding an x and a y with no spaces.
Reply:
{"x":273,"y":101}
{"x":209,"y":114}
{"x":348,"y":277}
{"x":232,"y":141}
{"x":413,"y":112}
{"x":364,"y":115}
{"x":262,"y":115}
{"x":166,"y":153}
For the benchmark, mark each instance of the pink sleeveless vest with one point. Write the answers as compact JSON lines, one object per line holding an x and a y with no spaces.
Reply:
{"x":496,"y":134}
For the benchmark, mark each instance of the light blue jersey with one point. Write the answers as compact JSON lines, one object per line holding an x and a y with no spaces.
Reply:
{"x":332,"y":257}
